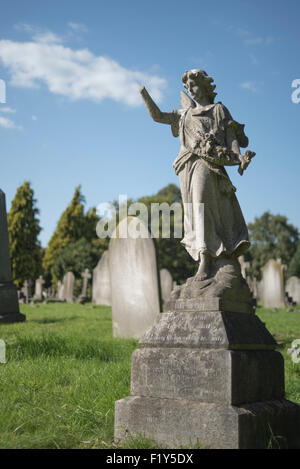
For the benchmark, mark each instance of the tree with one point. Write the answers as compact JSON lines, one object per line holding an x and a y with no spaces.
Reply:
{"x":73,"y":225}
{"x":271,"y":237}
{"x":294,"y":267}
{"x":23,"y":231}
{"x":171,"y":254}
{"x":76,"y":257}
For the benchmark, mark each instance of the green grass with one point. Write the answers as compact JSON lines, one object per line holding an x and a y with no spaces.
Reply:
{"x":285,"y":326}
{"x":64,"y":372}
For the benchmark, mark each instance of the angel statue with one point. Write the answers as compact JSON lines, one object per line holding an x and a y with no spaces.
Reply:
{"x":210,"y":140}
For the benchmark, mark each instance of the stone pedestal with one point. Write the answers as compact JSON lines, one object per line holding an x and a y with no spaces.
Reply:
{"x":9,"y":305}
{"x":208,"y":376}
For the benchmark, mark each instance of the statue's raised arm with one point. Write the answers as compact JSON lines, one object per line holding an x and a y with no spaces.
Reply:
{"x":154,"y":111}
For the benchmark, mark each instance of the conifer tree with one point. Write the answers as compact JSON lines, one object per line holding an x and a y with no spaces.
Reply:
{"x":23,"y":231}
{"x":72,"y":226}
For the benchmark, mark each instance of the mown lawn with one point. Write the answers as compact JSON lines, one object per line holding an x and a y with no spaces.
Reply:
{"x":64,"y":372}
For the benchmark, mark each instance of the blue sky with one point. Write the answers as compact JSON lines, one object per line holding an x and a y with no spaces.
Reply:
{"x":73,"y":114}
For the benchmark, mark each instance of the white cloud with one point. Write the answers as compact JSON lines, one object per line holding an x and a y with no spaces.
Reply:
{"x":249,"y":38}
{"x":47,"y":37}
{"x":34,"y":118}
{"x":76,"y":74}
{"x":254,"y":41}
{"x":77,"y":27}
{"x":7,"y":110}
{"x":251,"y":86}
{"x":8,"y":123}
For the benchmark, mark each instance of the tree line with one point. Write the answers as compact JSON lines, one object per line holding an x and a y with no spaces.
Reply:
{"x":75,"y":246}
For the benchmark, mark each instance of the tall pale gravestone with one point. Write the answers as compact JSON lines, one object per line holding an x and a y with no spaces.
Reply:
{"x":101,"y":291}
{"x":9,"y":305}
{"x":207,"y":371}
{"x":68,"y":284}
{"x":38,"y":295}
{"x":293,"y":288}
{"x":60,"y":291}
{"x":273,"y":285}
{"x":166,"y":284}
{"x":133,"y":279}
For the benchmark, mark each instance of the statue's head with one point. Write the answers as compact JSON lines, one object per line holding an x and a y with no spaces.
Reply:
{"x":199,"y":84}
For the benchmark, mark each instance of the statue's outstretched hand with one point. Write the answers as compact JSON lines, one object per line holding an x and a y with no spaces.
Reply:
{"x":245,"y":161}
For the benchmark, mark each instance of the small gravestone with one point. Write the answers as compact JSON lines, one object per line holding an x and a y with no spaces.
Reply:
{"x":9,"y":305}
{"x":60,"y":291}
{"x":26,"y":290}
{"x":133,"y":279}
{"x":68,"y":284}
{"x":293,"y":288}
{"x":101,"y":282}
{"x":273,"y":285}
{"x":38,"y":295}
{"x":166,"y":284}
{"x":85,"y":276}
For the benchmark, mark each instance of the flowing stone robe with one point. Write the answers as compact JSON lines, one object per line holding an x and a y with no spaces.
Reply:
{"x":220,"y":227}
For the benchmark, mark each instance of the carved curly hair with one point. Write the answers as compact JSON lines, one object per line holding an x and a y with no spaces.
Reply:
{"x":200,"y":77}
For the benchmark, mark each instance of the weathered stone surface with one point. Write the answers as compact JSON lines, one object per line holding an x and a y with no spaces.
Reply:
{"x":211,"y":378}
{"x":60,"y":291}
{"x":293,"y":288}
{"x":9,"y":305}
{"x":209,"y":351}
{"x":38,"y":293}
{"x":235,"y":331}
{"x":180,"y":422}
{"x":101,"y":282}
{"x":209,"y":304}
{"x":273,"y":285}
{"x":231,"y":377}
{"x":166,"y":284}
{"x":68,"y":283}
{"x":133,"y":279}
{"x":85,"y":277}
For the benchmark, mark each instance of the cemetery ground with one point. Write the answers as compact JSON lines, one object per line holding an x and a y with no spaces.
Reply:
{"x":64,"y":372}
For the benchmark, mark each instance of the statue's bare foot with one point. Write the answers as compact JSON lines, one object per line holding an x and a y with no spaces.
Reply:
{"x":204,"y":268}
{"x":201,"y":276}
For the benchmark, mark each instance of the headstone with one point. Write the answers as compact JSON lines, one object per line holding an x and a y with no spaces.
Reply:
{"x":207,"y":372}
{"x":9,"y":305}
{"x":166,"y":284}
{"x":133,"y":279}
{"x":68,"y":284}
{"x":60,"y":291}
{"x":273,"y":285}
{"x":293,"y":288}
{"x":101,"y":282}
{"x":85,"y":276}
{"x":38,"y":295}
{"x":51,"y":291}
{"x":26,"y":290}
